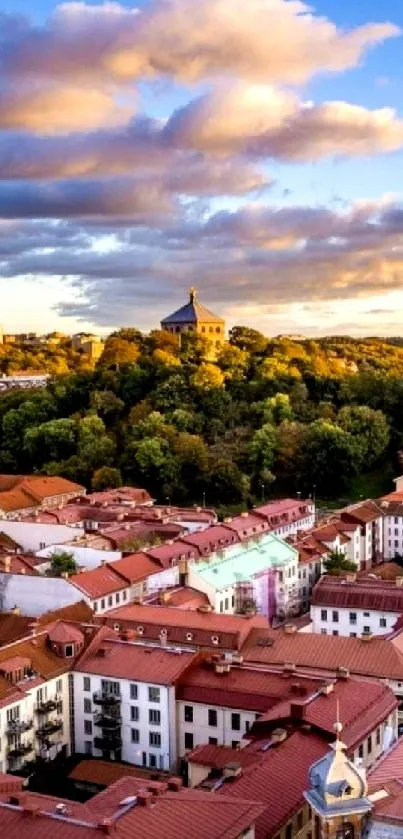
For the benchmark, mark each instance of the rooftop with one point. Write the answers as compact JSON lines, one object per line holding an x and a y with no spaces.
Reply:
{"x":363,"y":593}
{"x":245,"y":561}
{"x":212,"y":538}
{"x":125,"y":660}
{"x":99,"y":582}
{"x":363,"y":513}
{"x":18,"y":492}
{"x":375,"y":658}
{"x":192,"y":312}
{"x":135,"y":567}
{"x":106,"y":772}
{"x":186,"y":627}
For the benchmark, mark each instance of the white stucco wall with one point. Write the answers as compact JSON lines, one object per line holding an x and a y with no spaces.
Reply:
{"x":34,"y":536}
{"x":85,"y":557}
{"x":345,"y":624}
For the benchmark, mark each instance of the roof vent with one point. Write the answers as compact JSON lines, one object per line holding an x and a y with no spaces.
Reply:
{"x":222,"y":667}
{"x":101,"y":652}
{"x":175,"y":784}
{"x":290,"y":628}
{"x":61,"y":808}
{"x":279,"y":735}
{"x":232,"y":770}
{"x":289,"y":667}
{"x":343,"y":672}
{"x":327,"y":688}
{"x":144,"y":798}
{"x":204,"y":608}
{"x":351,"y":578}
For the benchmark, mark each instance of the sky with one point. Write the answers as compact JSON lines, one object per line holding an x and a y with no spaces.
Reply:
{"x":250,"y":148}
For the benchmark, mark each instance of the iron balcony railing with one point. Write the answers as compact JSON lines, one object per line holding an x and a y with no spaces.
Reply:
{"x":108,"y":744}
{"x":106,"y":699}
{"x":18,"y":727}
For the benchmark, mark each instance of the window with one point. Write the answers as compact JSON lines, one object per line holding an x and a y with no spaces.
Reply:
{"x":323,"y":631}
{"x":69,"y":650}
{"x":95,"y":606}
{"x":335,"y":617}
{"x":361,"y":751}
{"x":221,"y":606}
{"x":378,"y":736}
{"x":288,"y":831}
{"x":226,"y":604}
{"x":396,"y":520}
{"x":59,"y":686}
{"x":236,"y":722}
{"x":154,"y":694}
{"x":134,"y":713}
{"x":102,"y":603}
{"x":124,"y":595}
{"x":353,"y":617}
{"x":369,"y":744}
{"x":155,"y":738}
{"x":233,"y":601}
{"x":88,"y":747}
{"x":235,"y":744}
{"x":188,"y":740}
{"x":382,"y":622}
{"x":188,"y":713}
{"x":353,"y":634}
{"x":86,"y":683}
{"x":335,"y":632}
{"x":323,"y":615}
{"x":154,"y":716}
{"x":299,"y":821}
{"x":212,"y":717}
{"x":87,"y":706}
{"x":134,"y":735}
{"x":110,"y":600}
{"x":87,"y":727}
{"x":108,"y":688}
{"x":213,"y":741}
{"x":366,"y":629}
{"x":152,"y":761}
{"x":247,"y":726}
{"x":366,"y":614}
{"x":133,"y":691}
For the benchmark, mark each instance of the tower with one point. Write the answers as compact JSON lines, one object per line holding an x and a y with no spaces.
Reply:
{"x":194,"y":317}
{"x":338,"y":795}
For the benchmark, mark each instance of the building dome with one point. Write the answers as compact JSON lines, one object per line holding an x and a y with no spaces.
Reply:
{"x":65,"y":639}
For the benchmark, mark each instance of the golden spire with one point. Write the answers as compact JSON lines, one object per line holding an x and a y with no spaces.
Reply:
{"x":192,"y":294}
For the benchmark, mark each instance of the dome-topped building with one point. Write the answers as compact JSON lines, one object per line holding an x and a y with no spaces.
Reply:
{"x":193,"y":317}
{"x":338,"y":794}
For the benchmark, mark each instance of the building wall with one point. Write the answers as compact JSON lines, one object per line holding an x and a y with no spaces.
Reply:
{"x":373,"y":746}
{"x":201,"y":730}
{"x":85,"y":557}
{"x":34,"y":536}
{"x":351,"y":622}
{"x":138,"y":753}
{"x":25,"y":711}
{"x":109,"y":601}
{"x":393,"y":536}
{"x":308,"y":574}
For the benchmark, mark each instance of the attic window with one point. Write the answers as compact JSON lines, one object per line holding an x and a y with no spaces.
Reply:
{"x":164,"y":633}
{"x":189,"y":636}
{"x":69,"y":650}
{"x":140,"y":630}
{"x":116,"y":627}
{"x":215,"y":639}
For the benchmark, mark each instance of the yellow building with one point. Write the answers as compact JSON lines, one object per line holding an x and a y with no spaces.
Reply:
{"x":193,"y":317}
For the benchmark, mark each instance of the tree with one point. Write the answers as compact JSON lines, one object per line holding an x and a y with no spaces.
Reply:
{"x":107,"y":477}
{"x":118,"y":352}
{"x":53,"y":440}
{"x":208,"y":377}
{"x":330,"y":458}
{"x":62,"y":562}
{"x":262,"y":448}
{"x":278,"y":409}
{"x":369,"y":427}
{"x":249,"y":340}
{"x":336,"y":564}
{"x":233,"y":361}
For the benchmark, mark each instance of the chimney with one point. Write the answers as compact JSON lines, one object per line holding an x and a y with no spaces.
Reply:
{"x":144,"y":798}
{"x":290,"y":629}
{"x":30,"y":810}
{"x":366,"y":636}
{"x":107,"y":826}
{"x":245,"y":514}
{"x":298,"y":710}
{"x":289,"y":667}
{"x":16,"y":610}
{"x":205,"y":608}
{"x":33,"y":627}
{"x":279,"y":735}
{"x":327,"y":688}
{"x":232,"y":770}
{"x":237,"y":658}
{"x":157,"y":787}
{"x":175,"y":784}
{"x":351,"y":577}
{"x":222,"y":667}
{"x":183,"y":572}
{"x":343,"y":672}
{"x":7,"y":564}
{"x":399,"y":582}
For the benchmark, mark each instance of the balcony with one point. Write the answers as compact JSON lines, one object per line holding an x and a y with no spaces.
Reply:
{"x":18,"y":727}
{"x":49,"y":706}
{"x":20,"y":750}
{"x":106,"y":699}
{"x":49,"y":728}
{"x":108,"y":744}
{"x":106,"y":721}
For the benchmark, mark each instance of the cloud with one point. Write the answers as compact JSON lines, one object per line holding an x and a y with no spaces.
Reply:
{"x":275,"y":41}
{"x":261,"y":121}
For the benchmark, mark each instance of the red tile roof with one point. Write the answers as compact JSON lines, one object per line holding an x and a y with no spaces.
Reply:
{"x":184,"y":597}
{"x":363,"y":513}
{"x":279,"y":780}
{"x":123,"y":660}
{"x":361,"y":709}
{"x":106,"y":772}
{"x":245,"y":687}
{"x":194,"y":628}
{"x":247,"y":524}
{"x":18,"y":492}
{"x":389,"y":767}
{"x":136,"y":494}
{"x":376,"y":657}
{"x":212,"y":539}
{"x":386,"y":571}
{"x":170,"y":554}
{"x":362,"y":594}
{"x":99,"y":582}
{"x":135,"y":567}
{"x":217,"y":757}
{"x":65,"y":633}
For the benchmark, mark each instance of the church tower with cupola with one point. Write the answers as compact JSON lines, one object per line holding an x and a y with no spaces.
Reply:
{"x":338,"y":795}
{"x":194,"y":317}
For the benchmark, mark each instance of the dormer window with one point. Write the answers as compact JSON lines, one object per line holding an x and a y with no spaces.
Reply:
{"x":69,"y":650}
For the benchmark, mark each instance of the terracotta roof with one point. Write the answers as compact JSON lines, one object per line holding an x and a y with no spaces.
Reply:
{"x":78,"y":612}
{"x":13,"y":626}
{"x":135,"y":567}
{"x":99,"y":582}
{"x":7,"y":542}
{"x":362,"y":594}
{"x":207,"y":629}
{"x":170,"y":554}
{"x":136,"y":494}
{"x":248,"y":524}
{"x":123,"y":660}
{"x":217,"y":757}
{"x":106,"y":772}
{"x":19,"y":564}
{"x":364,"y":513}
{"x":361,"y":709}
{"x":211,"y":539}
{"x":389,"y":767}
{"x":244,"y":687}
{"x":376,"y":657}
{"x":273,"y":782}
{"x":18,"y":492}
{"x":65,"y":633}
{"x":386,"y":571}
{"x":184,"y":597}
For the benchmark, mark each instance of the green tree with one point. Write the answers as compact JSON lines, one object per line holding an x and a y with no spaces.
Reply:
{"x":262,"y":448}
{"x":118,"y":352}
{"x":53,"y":440}
{"x":336,"y":564}
{"x":248,"y":340}
{"x":62,"y":562}
{"x":369,"y":427}
{"x":207,"y":377}
{"x":107,"y":477}
{"x":330,"y":458}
